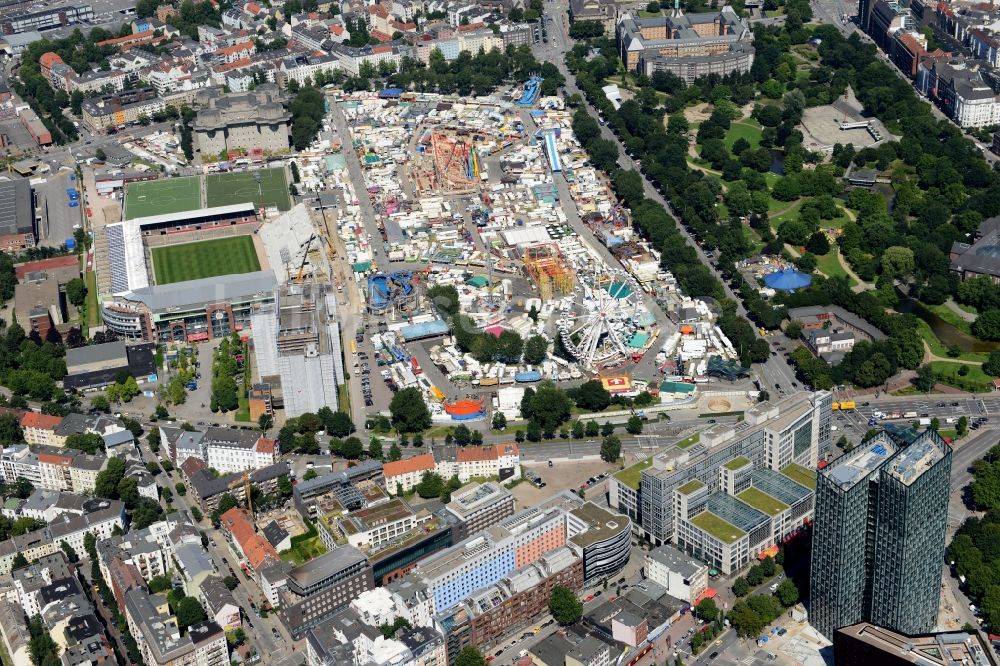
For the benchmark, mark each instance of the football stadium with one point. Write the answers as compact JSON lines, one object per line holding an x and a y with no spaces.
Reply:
{"x":185,"y":263}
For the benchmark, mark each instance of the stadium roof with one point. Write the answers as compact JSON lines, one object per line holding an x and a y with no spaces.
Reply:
{"x":184,"y":216}
{"x":206,"y":290}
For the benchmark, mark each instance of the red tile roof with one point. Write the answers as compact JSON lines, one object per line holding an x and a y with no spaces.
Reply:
{"x":49,"y":59}
{"x":236,"y":48}
{"x":421,"y":463}
{"x":54,"y":459}
{"x":266,"y":445}
{"x":256,"y":548}
{"x":42,"y":421}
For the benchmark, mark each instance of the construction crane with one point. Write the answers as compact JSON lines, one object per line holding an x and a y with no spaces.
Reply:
{"x":305,"y":256}
{"x":246,"y":489}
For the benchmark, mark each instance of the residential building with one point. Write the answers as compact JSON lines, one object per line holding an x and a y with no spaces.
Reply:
{"x":501,"y":461}
{"x":39,"y":429}
{"x":159,"y":638}
{"x":30,"y":579}
{"x":223,"y":449}
{"x":481,"y":505}
{"x":348,"y":638}
{"x":866,"y":643}
{"x":680,"y":575}
{"x":254,"y":121}
{"x":121,"y":108}
{"x":297,"y":342}
{"x":207,"y":489}
{"x":241,"y":532}
{"x":688,"y":45}
{"x":815,"y":317}
{"x":879,"y":536}
{"x":219,"y":603}
{"x":70,"y":528}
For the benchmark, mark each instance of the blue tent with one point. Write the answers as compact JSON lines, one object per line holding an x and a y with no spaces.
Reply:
{"x":787,"y":280}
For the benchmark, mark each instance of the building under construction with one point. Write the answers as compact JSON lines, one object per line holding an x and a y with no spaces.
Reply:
{"x":548,"y":268}
{"x":297,"y":346}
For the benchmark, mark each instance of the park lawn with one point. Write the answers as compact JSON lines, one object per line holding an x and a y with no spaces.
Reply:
{"x":242,"y":413}
{"x":947,"y":373}
{"x":829,"y":266}
{"x":204,"y":259}
{"x":743,"y":129}
{"x":951,"y":317}
{"x":971,"y":309}
{"x":631,"y":476}
{"x":938,"y":348}
{"x":717,"y":527}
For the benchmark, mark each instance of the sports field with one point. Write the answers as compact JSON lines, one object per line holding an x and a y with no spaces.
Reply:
{"x":236,"y":187}
{"x":160,"y":197}
{"x":203,"y":259}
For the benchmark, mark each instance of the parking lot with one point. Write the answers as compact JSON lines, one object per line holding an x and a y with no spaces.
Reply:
{"x":561,"y":476}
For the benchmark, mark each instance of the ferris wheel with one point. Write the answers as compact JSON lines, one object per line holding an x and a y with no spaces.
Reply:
{"x":598,"y":328}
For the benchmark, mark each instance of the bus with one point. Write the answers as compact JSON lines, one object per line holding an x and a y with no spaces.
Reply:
{"x":354,"y":347}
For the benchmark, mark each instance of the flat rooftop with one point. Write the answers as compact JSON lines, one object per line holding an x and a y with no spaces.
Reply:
{"x":602,"y":524}
{"x":918,"y":457}
{"x":944,"y":649}
{"x":476,"y":496}
{"x":860,"y":463}
{"x":736,"y":463}
{"x":368,"y":519}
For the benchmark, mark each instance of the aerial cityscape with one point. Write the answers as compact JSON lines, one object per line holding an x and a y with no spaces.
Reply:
{"x":499,"y":332}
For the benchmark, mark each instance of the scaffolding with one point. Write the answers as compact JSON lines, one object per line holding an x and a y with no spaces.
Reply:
{"x":547,"y":267}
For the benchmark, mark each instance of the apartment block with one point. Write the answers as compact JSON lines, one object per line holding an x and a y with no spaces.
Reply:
{"x":481,"y":505}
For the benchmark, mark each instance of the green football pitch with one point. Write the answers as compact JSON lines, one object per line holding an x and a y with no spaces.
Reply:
{"x":159,"y":197}
{"x":203,"y":259}
{"x":224,"y":189}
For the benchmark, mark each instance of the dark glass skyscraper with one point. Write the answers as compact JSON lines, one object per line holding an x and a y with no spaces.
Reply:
{"x":878,"y":539}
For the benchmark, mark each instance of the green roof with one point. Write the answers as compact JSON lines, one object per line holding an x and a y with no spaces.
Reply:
{"x":800,"y":475}
{"x":717,"y":527}
{"x":690,"y":487}
{"x":758,"y":499}
{"x":631,"y":476}
{"x":736,"y":463}
{"x":689,"y":441}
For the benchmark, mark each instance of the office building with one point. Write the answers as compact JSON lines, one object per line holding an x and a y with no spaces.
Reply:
{"x":879,"y":536}
{"x":688,"y":45}
{"x":602,"y":539}
{"x":784,"y":436}
{"x":314,"y":591}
